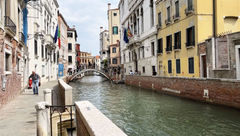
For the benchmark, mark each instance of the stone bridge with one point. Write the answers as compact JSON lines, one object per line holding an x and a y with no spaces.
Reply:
{"x":74,"y":76}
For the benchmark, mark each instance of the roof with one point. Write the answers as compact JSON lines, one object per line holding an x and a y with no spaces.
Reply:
{"x":60,"y":15}
{"x":73,"y":29}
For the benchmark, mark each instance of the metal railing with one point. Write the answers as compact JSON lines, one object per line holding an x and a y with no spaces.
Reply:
{"x":21,"y":37}
{"x":59,"y":110}
{"x":10,"y":24}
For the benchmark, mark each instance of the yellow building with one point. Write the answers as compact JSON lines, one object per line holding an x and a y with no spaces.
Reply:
{"x":114,"y":37}
{"x":183,"y":24}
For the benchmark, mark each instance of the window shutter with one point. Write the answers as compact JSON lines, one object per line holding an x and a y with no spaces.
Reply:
{"x":170,"y":42}
{"x":193,"y":33}
{"x":180,"y":40}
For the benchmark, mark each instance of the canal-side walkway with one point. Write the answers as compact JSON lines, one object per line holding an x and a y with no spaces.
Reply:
{"x":18,"y":118}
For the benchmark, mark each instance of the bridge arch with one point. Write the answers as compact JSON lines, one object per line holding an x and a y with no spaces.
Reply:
{"x":89,"y":70}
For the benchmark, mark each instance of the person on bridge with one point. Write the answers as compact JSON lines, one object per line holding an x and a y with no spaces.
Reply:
{"x":36,"y":82}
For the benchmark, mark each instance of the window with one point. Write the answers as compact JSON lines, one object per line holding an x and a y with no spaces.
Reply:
{"x":57,"y":57}
{"x":168,"y":14}
{"x":143,"y":69}
{"x":114,"y":61}
{"x":7,"y":62}
{"x":143,"y":53}
{"x":129,"y":55}
{"x":115,"y":30}
{"x":177,"y":40}
{"x":169,"y":43}
{"x":191,"y":65}
{"x":190,"y":36}
{"x":154,"y":73}
{"x":160,"y":19}
{"x":115,"y":14}
{"x":169,"y":66}
{"x":153,"y":48}
{"x":160,"y":45}
{"x":114,"y":50}
{"x":139,"y":52}
{"x":124,"y":58}
{"x":35,"y":47}
{"x":18,"y":64}
{"x":69,"y":59}
{"x":42,"y":51}
{"x":152,"y":12}
{"x":177,"y":9}
{"x":142,"y":22}
{"x":46,"y":53}
{"x":190,"y":5}
{"x":69,"y":34}
{"x":54,"y":57}
{"x":69,"y":46}
{"x":178,"y":66}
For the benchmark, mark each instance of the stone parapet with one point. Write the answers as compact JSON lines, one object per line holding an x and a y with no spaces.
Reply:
{"x":91,"y":122}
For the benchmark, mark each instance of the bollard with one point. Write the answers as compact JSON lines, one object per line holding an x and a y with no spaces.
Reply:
{"x":48,"y":96}
{"x":43,"y":122}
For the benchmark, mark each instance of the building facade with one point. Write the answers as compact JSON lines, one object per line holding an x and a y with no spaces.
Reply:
{"x":104,"y":42}
{"x":182,"y":25}
{"x":63,"y":45}
{"x":12,"y":47}
{"x":72,"y":38}
{"x":86,"y":60}
{"x":42,"y":23}
{"x":114,"y":38}
{"x":97,"y":62}
{"x":138,"y":37}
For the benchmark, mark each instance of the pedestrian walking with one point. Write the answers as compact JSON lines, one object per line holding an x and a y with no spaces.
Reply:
{"x":36,"y":80}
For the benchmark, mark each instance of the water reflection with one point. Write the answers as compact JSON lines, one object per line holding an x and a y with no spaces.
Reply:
{"x":141,"y":112}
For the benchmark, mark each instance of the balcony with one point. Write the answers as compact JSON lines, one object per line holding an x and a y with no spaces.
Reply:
{"x":169,"y":49}
{"x":190,"y":44}
{"x":177,"y":47}
{"x":159,"y":51}
{"x":49,"y":41}
{"x":189,"y":10}
{"x":21,"y":38}
{"x":10,"y":26}
{"x":176,"y":17}
{"x":135,"y":40}
{"x":168,"y":21}
{"x":159,"y":26}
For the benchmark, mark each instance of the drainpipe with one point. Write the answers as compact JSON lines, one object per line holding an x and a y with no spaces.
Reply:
{"x":214,"y":18}
{"x":214,"y":36}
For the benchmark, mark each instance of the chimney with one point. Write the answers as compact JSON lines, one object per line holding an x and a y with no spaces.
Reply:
{"x":101,"y":29}
{"x":109,"y":6}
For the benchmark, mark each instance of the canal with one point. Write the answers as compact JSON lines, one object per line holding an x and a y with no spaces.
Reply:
{"x":140,"y":112}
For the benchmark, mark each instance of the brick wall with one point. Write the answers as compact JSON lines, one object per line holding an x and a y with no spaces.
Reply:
{"x":13,"y":84}
{"x":223,"y":92}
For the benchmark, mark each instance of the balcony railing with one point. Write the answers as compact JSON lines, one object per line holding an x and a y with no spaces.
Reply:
{"x":189,"y":10}
{"x":168,"y":21}
{"x":190,"y":44}
{"x":176,"y":17}
{"x":177,"y":47}
{"x":169,"y":48}
{"x":10,"y":24}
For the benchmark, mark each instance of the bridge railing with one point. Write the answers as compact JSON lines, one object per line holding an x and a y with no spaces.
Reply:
{"x":79,"y":72}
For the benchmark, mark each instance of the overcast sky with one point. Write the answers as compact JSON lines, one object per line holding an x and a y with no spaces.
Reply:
{"x":87,"y":16}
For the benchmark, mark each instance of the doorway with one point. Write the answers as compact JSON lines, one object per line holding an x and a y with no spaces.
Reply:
{"x":203,"y":61}
{"x":237,"y":49}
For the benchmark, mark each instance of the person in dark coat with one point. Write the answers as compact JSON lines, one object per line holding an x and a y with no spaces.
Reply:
{"x":36,"y":81}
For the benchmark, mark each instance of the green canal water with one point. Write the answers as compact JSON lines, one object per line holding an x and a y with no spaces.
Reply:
{"x":140,"y":112}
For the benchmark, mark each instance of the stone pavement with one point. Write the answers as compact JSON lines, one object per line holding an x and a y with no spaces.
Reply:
{"x":18,"y":118}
